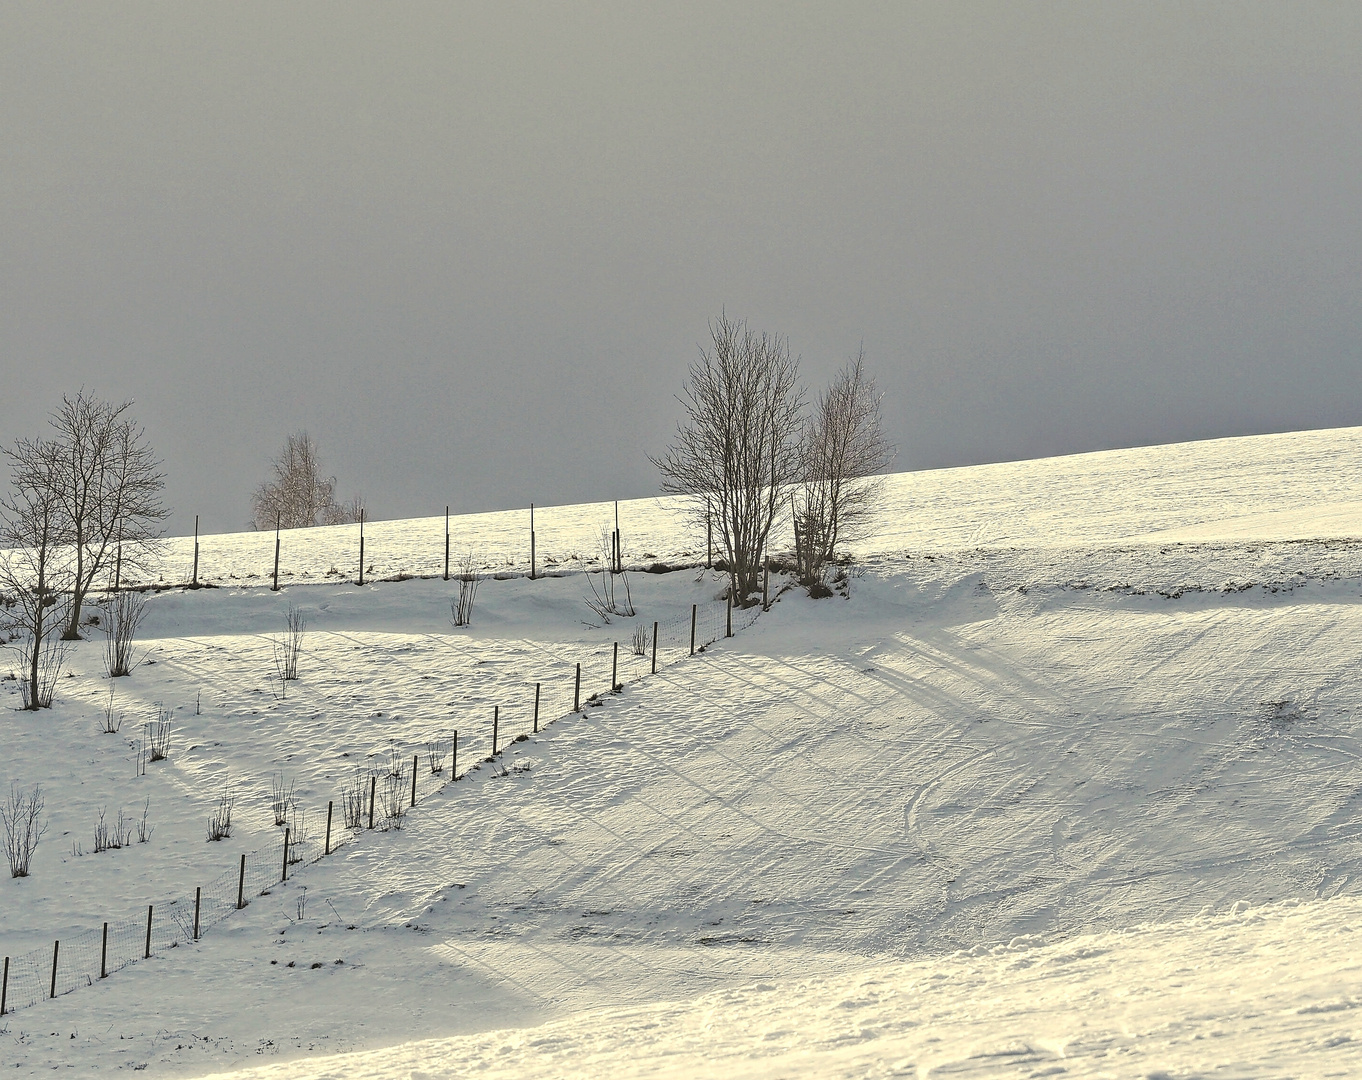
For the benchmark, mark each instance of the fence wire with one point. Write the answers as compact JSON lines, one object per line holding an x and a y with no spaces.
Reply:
{"x":378,"y":797}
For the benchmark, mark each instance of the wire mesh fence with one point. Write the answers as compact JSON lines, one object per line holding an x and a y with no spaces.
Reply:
{"x":376,"y":797}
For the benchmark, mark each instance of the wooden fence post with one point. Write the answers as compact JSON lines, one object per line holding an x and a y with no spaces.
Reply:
{"x":454,"y":757}
{"x":446,"y":543}
{"x":284,"y":876}
{"x":198,"y":895}
{"x":654,"y":648}
{"x":496,"y":717}
{"x":531,"y":541}
{"x":415,"y":761}
{"x":104,"y":953}
{"x":56,"y":946}
{"x":766,"y":585}
{"x":536,"y":708}
{"x":195,"y":581}
{"x":327,"y":849}
{"x":694,"y":610}
{"x":728,"y":624}
{"x":146,"y":952}
{"x":361,"y":547}
{"x":4,"y":987}
{"x":241,"y":885}
{"x":373,"y":788}
{"x":615,"y":668}
{"x":577,"y":691}
{"x":278,"y":519}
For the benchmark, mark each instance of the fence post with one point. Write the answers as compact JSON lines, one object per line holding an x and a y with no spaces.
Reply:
{"x":728,"y":624}
{"x":198,"y":895}
{"x":694,"y":609}
{"x":361,"y":547}
{"x":4,"y":987}
{"x":614,"y":668}
{"x":195,"y":582}
{"x":577,"y":691}
{"x":146,"y":952}
{"x":278,"y":519}
{"x":536,"y":708}
{"x":766,"y":585}
{"x":415,"y":761}
{"x":496,"y":717}
{"x":327,"y":849}
{"x":531,"y":541}
{"x":654,"y":648}
{"x":104,"y":953}
{"x":373,"y":787}
{"x":241,"y":885}
{"x":454,"y":757}
{"x":446,"y":543}
{"x":284,"y":877}
{"x":56,"y":945}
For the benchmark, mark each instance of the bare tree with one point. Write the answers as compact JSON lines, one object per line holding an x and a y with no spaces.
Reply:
{"x":843,"y":448}
{"x":299,"y":497}
{"x":737,"y":451}
{"x":109,"y":484}
{"x":21,"y":816}
{"x":35,"y":566}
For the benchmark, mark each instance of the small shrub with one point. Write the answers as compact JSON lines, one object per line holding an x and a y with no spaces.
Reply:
{"x":461,"y":607}
{"x":158,"y":734}
{"x":124,"y":612}
{"x":640,"y":640}
{"x":281,"y":798}
{"x":144,"y":830}
{"x":435,"y":756}
{"x":120,"y":836}
{"x":110,"y":723}
{"x":220,"y":820}
{"x":393,"y":795}
{"x":289,"y":646}
{"x":297,"y":833}
{"x":21,"y":815}
{"x":354,"y":796}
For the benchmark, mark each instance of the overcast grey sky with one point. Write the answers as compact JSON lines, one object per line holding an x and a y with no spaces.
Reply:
{"x":472,"y":247}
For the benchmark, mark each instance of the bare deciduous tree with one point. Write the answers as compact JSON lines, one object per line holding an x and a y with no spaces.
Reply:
{"x":737,"y":451}
{"x":35,"y":566}
{"x":843,"y":448}
{"x":299,"y":497}
{"x":21,"y":816}
{"x":109,"y":483}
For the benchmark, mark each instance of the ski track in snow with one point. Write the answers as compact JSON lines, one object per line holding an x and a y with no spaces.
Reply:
{"x":864,"y":801}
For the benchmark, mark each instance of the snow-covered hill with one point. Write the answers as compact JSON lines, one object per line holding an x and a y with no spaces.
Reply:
{"x":928,"y":811}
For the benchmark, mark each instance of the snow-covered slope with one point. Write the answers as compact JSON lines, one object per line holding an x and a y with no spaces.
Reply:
{"x":1051,"y":738}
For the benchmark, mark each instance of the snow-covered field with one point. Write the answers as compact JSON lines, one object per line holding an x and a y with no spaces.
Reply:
{"x":1070,"y":781}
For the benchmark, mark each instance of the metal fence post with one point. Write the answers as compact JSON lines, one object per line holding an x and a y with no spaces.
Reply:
{"x":327,"y":849}
{"x":146,"y":952}
{"x":654,"y":648}
{"x":198,"y":896}
{"x":577,"y":691}
{"x":56,"y":947}
{"x":536,"y":708}
{"x":284,"y":876}
{"x":241,"y":885}
{"x":415,"y":762}
{"x":104,"y":953}
{"x":694,"y":609}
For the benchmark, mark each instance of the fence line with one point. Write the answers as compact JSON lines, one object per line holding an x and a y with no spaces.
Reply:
{"x":373,"y":798}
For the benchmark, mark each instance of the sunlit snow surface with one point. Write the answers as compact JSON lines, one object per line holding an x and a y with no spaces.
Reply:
{"x":904,"y":833}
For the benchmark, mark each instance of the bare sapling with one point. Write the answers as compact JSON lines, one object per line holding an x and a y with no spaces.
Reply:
{"x":393,"y":794}
{"x":46,"y":667}
{"x":297,"y":832}
{"x":353,"y":794}
{"x":461,"y":607}
{"x":605,"y":599}
{"x":639,"y":642}
{"x":435,"y":756}
{"x":22,"y":817}
{"x":106,"y":838}
{"x":123,"y":613}
{"x":220,"y":820}
{"x":281,"y":797}
{"x":158,"y":734}
{"x":289,"y":645}
{"x":144,"y":830}
{"x":110,"y":722}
